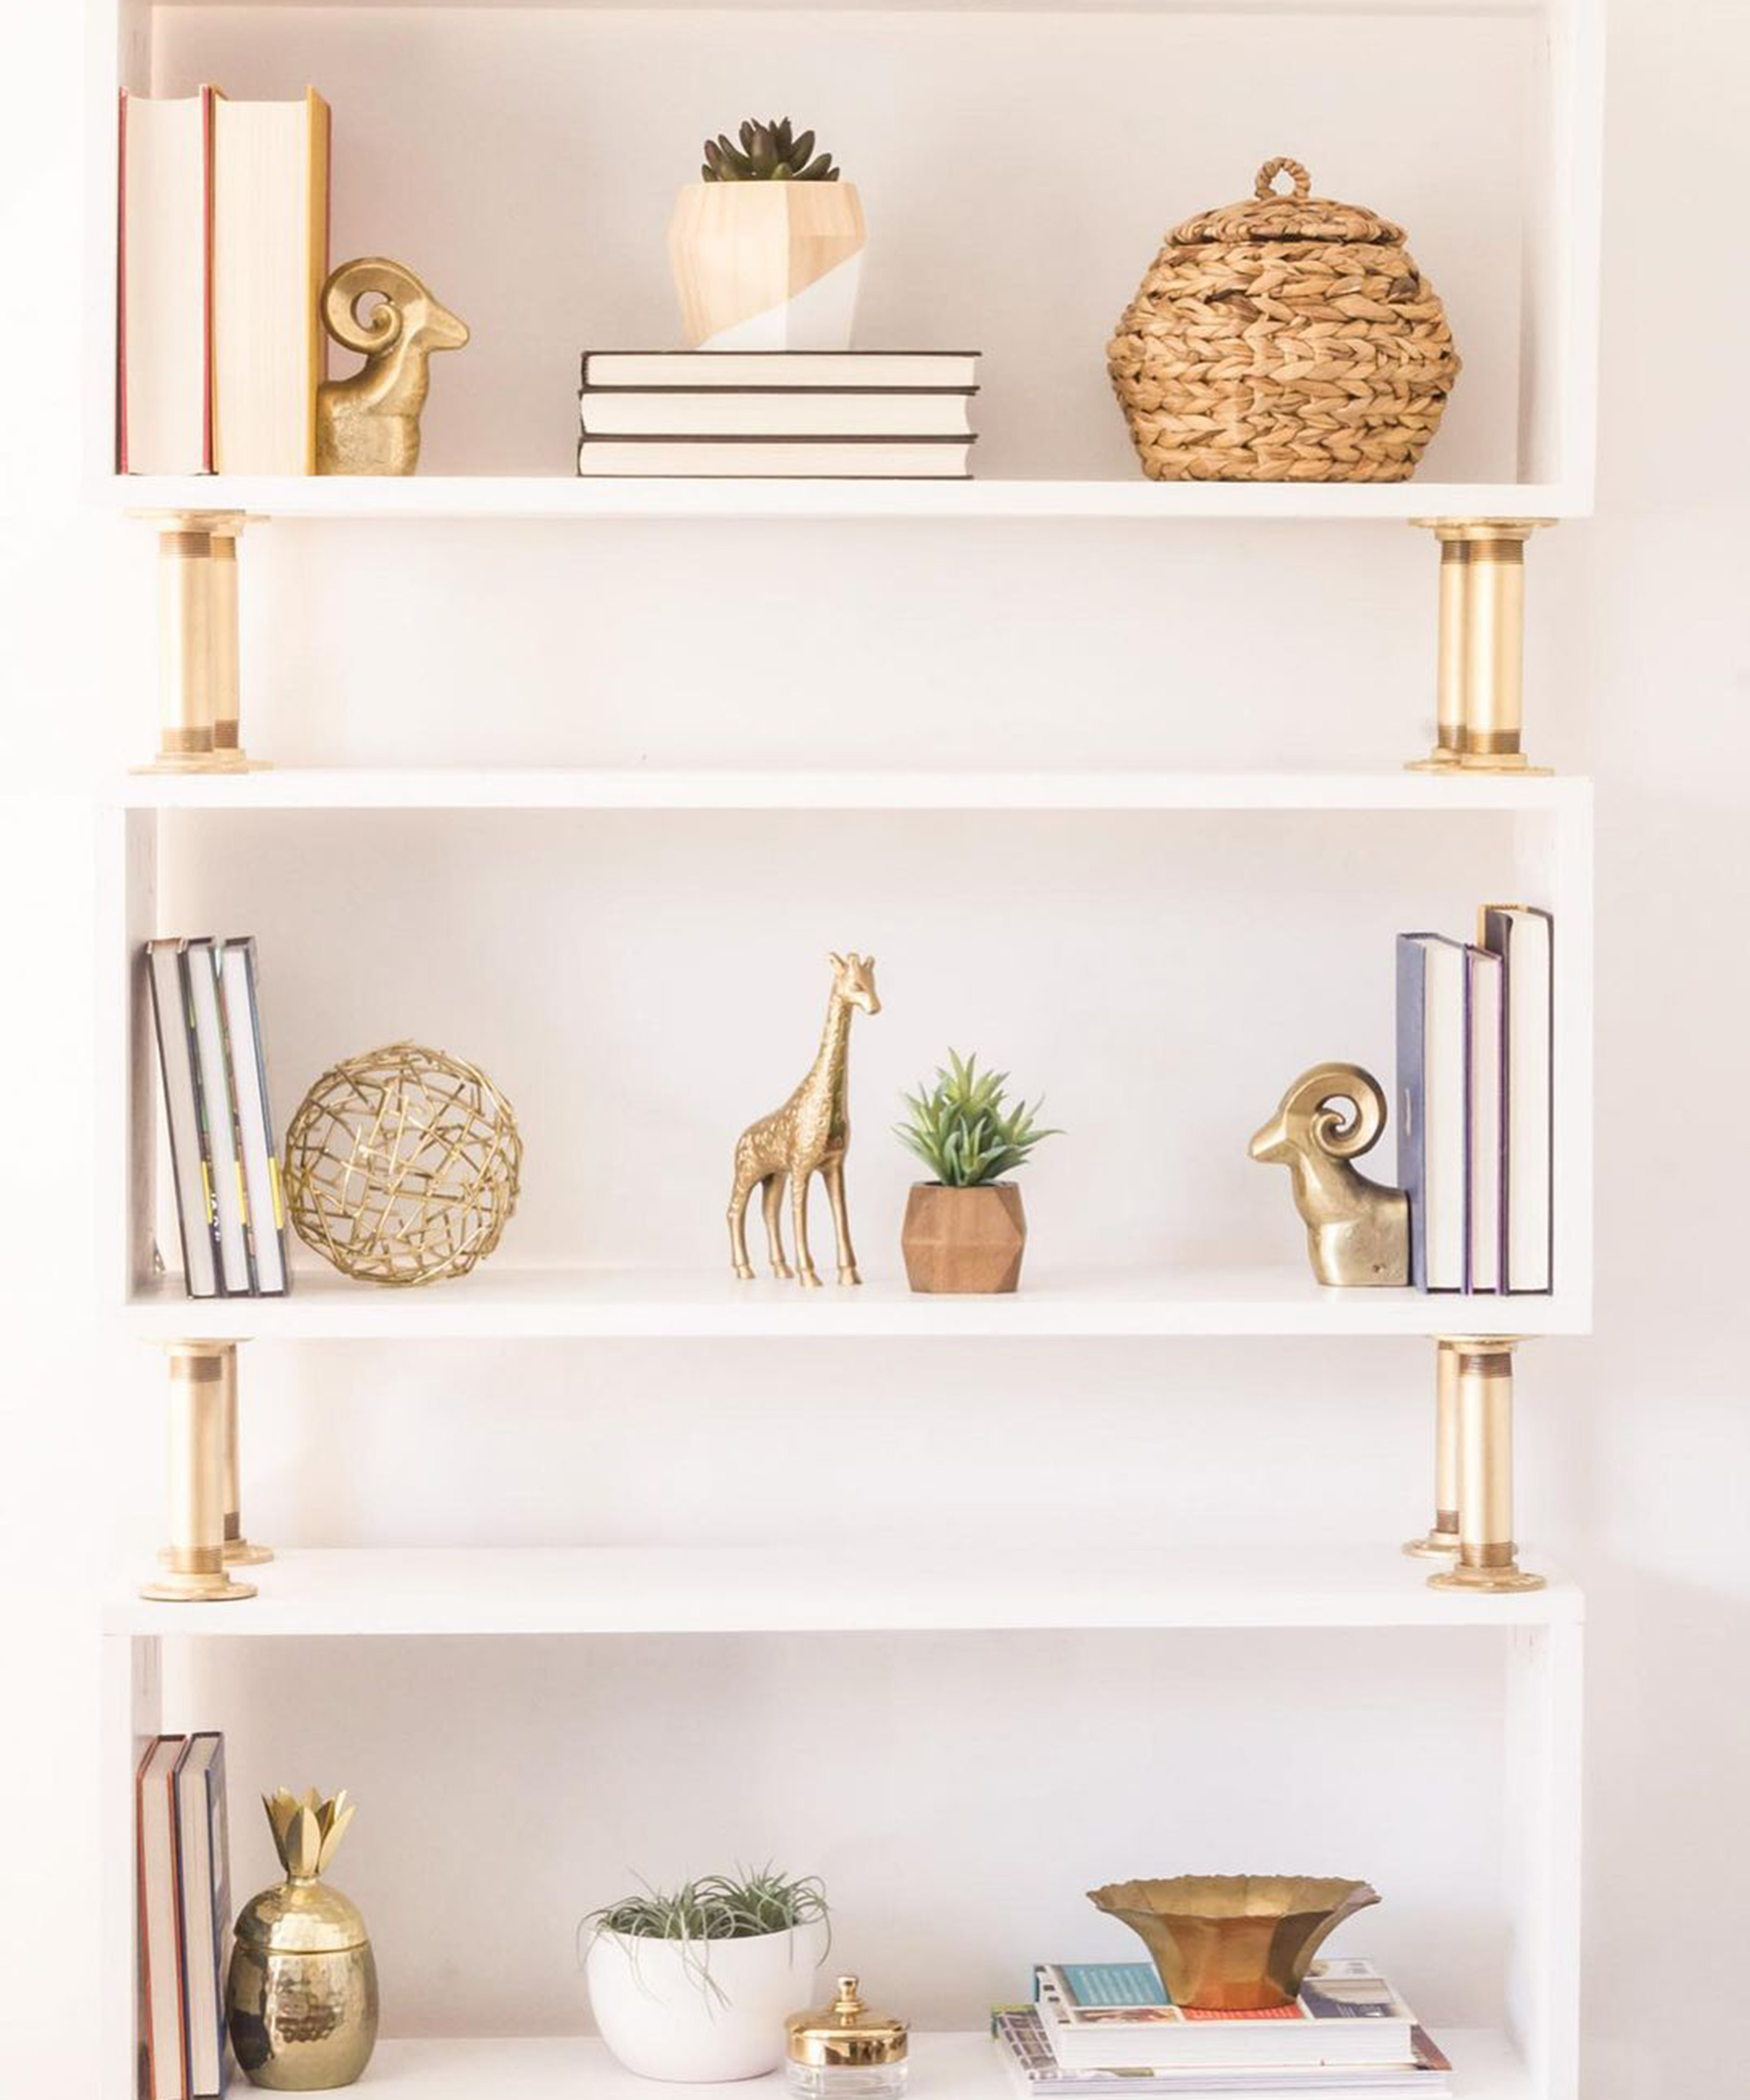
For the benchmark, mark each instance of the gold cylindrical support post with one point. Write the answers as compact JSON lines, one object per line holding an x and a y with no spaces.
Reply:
{"x":227,"y":702}
{"x":1486,"y":1553}
{"x":1480,"y":651}
{"x":239,"y":1552}
{"x":1442,"y":1536}
{"x":193,"y":1564}
{"x":199,"y":692}
{"x":185,"y":648}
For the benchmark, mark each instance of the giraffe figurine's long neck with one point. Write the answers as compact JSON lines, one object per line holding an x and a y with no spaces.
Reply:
{"x":827,"y":1074}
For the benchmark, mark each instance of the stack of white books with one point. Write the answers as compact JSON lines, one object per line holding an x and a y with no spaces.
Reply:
{"x":1098,"y":2028}
{"x":839,"y":414}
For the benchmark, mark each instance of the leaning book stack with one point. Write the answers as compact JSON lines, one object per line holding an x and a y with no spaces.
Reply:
{"x":206,"y":1014}
{"x":1097,"y":2028}
{"x":777,"y":415}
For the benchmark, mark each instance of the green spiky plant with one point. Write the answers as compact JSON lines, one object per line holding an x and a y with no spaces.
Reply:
{"x":961,"y":1129}
{"x":769,"y":152}
{"x":746,"y":1905}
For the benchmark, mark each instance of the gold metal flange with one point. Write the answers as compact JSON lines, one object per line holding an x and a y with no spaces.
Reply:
{"x":1480,"y":663}
{"x":1440,"y":1541}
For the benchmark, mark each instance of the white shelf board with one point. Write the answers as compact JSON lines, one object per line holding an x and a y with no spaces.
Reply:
{"x":528,"y":497}
{"x":944,"y":2066}
{"x":507,"y":1304}
{"x":893,"y":1587}
{"x":626,"y":788}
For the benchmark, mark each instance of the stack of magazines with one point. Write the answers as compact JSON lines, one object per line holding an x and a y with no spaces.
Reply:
{"x":1103,"y":2028}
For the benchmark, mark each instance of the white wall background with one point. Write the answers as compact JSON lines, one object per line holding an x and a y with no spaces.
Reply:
{"x":1635,"y":1443}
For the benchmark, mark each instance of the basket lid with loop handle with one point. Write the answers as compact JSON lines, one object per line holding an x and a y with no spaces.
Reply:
{"x":1273,"y":214}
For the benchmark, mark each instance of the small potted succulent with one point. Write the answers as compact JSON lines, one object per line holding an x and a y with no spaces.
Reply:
{"x":693,"y":1984}
{"x":965,"y":1228}
{"x":767,"y":245}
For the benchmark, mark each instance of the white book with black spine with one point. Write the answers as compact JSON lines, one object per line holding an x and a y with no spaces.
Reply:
{"x":219,"y":1117}
{"x":879,"y":370}
{"x":765,"y":412}
{"x":1524,"y":939}
{"x":246,"y":1051}
{"x":1484,"y":1132}
{"x":190,"y":1171}
{"x":1433,"y":1107}
{"x":777,"y":458}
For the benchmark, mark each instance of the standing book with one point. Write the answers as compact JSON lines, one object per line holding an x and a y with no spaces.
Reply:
{"x":203,"y":1881}
{"x":246,"y":1058}
{"x":164,"y":2073}
{"x":191,"y":1169}
{"x":270,"y":260}
{"x":1433,"y":1056}
{"x":1484,"y":1129}
{"x":1524,"y":939}
{"x":219,"y":1119}
{"x":164,"y":374}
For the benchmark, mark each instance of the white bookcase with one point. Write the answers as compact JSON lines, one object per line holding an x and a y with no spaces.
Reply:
{"x":1155,"y":889}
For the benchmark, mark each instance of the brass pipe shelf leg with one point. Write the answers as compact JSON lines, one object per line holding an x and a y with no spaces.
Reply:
{"x":239,"y":1551}
{"x":1488,"y":1557}
{"x":1481,"y":652}
{"x":198,"y":691}
{"x":193,"y":1564}
{"x":1441,"y":1538}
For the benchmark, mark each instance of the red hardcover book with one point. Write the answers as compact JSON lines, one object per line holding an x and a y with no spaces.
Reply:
{"x":162,"y":2047}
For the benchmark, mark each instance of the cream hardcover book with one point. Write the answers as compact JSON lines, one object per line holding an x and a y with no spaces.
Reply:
{"x":163,"y":390}
{"x":270,"y":259}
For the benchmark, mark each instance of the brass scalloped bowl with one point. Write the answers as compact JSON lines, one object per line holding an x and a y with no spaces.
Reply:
{"x":1233,"y":1943}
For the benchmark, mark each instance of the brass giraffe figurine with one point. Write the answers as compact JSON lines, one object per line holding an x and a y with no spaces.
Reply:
{"x":810,"y":1134}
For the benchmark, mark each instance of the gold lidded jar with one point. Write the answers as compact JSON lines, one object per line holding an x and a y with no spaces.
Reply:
{"x":845,"y":2051}
{"x":301,"y":1995}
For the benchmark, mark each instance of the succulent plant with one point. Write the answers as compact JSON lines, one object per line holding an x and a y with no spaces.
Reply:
{"x":961,"y":1131}
{"x":769,"y":152}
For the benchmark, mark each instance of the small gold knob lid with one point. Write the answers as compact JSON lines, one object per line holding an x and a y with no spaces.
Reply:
{"x":845,"y":2034}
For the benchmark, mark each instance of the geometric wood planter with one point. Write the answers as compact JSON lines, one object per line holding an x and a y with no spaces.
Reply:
{"x":963,"y":1239}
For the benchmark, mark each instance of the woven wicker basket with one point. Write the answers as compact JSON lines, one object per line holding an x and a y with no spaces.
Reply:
{"x":1285,"y":339}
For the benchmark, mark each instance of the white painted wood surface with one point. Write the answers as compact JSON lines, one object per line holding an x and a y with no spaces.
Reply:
{"x":420,"y":1592}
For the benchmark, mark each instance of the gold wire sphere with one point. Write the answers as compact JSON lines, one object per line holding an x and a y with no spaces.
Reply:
{"x":401,"y":1165}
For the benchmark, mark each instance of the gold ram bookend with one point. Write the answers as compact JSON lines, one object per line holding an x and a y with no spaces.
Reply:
{"x":1357,"y":1232}
{"x":369,"y":423}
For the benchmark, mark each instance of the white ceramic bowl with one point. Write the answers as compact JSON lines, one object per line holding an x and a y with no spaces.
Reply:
{"x":658,"y":2018}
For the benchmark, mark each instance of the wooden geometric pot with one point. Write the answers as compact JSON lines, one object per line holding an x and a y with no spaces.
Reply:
{"x":963,"y":1239}
{"x":767,"y":265}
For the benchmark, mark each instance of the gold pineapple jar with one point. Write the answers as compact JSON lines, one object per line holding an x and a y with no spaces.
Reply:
{"x":301,"y":1995}
{"x":1287,"y":338}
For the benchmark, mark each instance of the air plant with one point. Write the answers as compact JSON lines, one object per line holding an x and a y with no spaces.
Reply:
{"x":961,"y":1129}
{"x":769,"y":152}
{"x":744,"y":1905}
